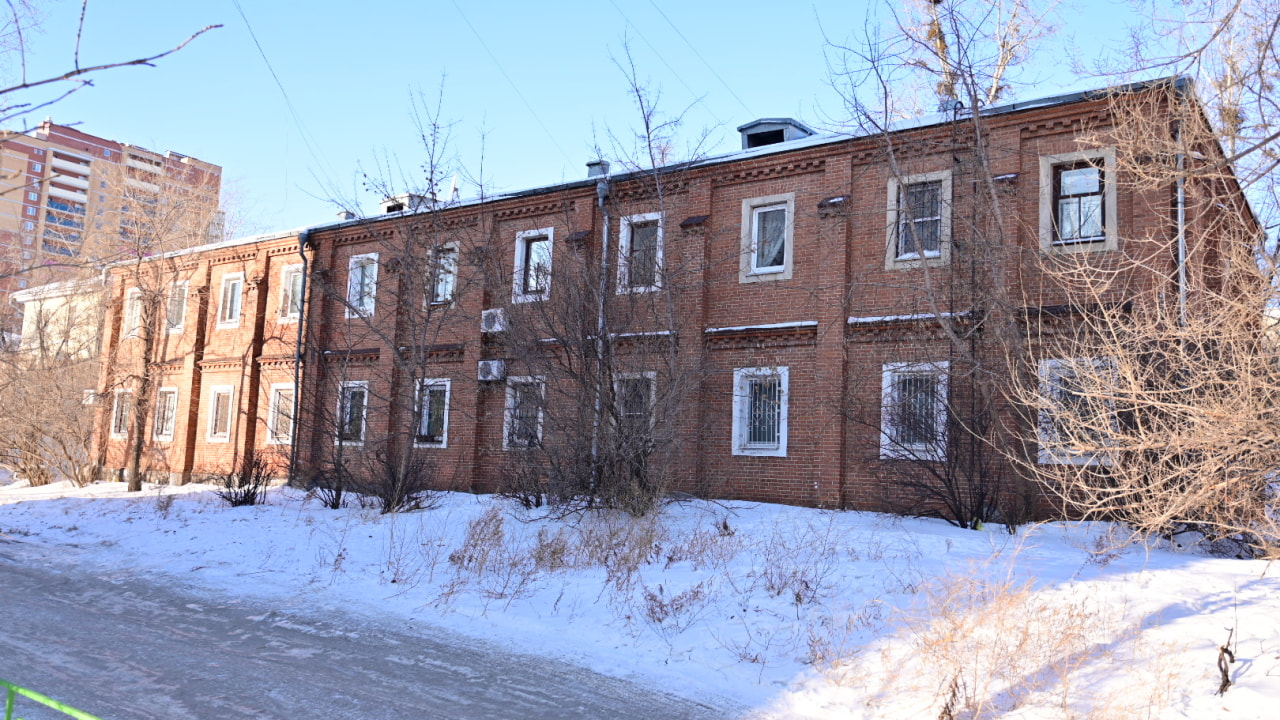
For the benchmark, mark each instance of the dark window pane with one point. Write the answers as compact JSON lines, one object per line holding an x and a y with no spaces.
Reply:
{"x":642,"y":259}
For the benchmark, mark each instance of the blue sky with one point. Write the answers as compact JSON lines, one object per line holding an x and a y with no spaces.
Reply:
{"x":530,"y":88}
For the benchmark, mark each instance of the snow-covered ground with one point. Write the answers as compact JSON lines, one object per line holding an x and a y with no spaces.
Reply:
{"x":794,"y":612}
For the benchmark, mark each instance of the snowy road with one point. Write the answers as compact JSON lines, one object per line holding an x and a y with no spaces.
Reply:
{"x":124,"y":647}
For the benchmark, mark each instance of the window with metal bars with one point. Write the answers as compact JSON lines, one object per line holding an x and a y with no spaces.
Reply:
{"x":352,"y":408}
{"x":914,"y":411}
{"x":524,"y":413}
{"x":760,"y":411}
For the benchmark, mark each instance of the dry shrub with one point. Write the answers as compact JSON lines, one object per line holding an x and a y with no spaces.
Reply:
{"x":484,"y":540}
{"x":982,"y":647}
{"x":619,"y":543}
{"x":671,"y":614}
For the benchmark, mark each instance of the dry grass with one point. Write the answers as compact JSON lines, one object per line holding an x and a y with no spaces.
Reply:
{"x":973,"y":647}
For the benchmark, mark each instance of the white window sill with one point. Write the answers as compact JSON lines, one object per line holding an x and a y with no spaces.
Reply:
{"x":638,"y":289}
{"x":749,"y":451}
{"x":348,"y":443}
{"x":920,"y":453}
{"x":218,"y":439}
{"x":440,"y":445}
{"x":227,"y":326}
{"x":934,"y":255}
{"x":286,"y":320}
{"x":774,"y":270}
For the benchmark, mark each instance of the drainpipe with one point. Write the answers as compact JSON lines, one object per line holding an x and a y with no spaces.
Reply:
{"x":1182,"y":231}
{"x":297,"y":355}
{"x":602,"y":195}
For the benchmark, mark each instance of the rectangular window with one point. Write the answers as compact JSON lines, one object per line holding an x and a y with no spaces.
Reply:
{"x":166,"y":412}
{"x":767,"y":238}
{"x":533,"y":265}
{"x":523,"y":420}
{"x":353,"y":407}
{"x":919,"y":228}
{"x":37,"y":167}
{"x":31,"y":210}
{"x":1076,"y":419}
{"x":121,"y":412}
{"x":444,"y":274}
{"x":34,"y":197}
{"x":1078,"y":201}
{"x":920,"y":220}
{"x":291,"y":292}
{"x":635,"y":396}
{"x":640,"y":253}
{"x":230,"y":300}
{"x":176,"y":312}
{"x":280,"y":410}
{"x":132,"y":313}
{"x":220,"y":410}
{"x":432,"y":416}
{"x":769,"y":232}
{"x":362,"y":284}
{"x":760,"y":408}
{"x":28,"y":225}
{"x":913,"y":411}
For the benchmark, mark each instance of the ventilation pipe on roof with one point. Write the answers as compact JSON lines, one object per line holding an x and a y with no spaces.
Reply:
{"x":597,"y":168}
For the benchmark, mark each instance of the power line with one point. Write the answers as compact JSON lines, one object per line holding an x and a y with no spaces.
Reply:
{"x":514,"y":87}
{"x":678,"y":76}
{"x":704,"y":60}
{"x":293,"y":112}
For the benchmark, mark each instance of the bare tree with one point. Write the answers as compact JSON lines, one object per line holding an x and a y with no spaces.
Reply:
{"x":942,"y":421}
{"x":599,"y":362}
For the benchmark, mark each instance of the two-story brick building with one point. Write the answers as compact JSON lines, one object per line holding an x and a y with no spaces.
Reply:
{"x":814,"y":319}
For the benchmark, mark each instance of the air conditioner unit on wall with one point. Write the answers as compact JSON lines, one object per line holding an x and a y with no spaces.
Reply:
{"x":490,"y":370}
{"x":493,"y":321}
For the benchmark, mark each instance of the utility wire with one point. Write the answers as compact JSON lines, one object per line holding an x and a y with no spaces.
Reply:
{"x":678,"y":76}
{"x":514,"y":87}
{"x":293,"y":112}
{"x":704,"y":60}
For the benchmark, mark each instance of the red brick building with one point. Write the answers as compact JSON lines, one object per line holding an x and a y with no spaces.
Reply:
{"x":800,"y":321}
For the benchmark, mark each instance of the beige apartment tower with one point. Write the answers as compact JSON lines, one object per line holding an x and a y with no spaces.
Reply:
{"x":69,"y":200}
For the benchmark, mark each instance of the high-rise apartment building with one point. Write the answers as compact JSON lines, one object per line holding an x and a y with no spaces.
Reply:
{"x":69,"y":198}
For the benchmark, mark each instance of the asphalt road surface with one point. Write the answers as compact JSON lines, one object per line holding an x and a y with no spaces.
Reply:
{"x":124,"y":647}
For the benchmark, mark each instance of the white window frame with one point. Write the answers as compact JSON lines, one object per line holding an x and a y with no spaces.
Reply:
{"x":423,"y":385}
{"x":274,"y":411}
{"x":508,"y":416}
{"x":358,"y":307}
{"x":212,"y":434}
{"x":168,"y":306}
{"x":518,"y":293}
{"x":890,"y":448}
{"x":363,"y":386}
{"x":624,"y":252}
{"x":441,"y":270}
{"x":1105,"y":158}
{"x":228,"y":300}
{"x":1051,"y":450}
{"x":287,"y":273}
{"x":742,"y":378}
{"x":118,"y":397}
{"x":132,"y":313}
{"x":751,"y":208}
{"x":651,"y":376}
{"x":159,"y":431}
{"x":893,"y":260}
